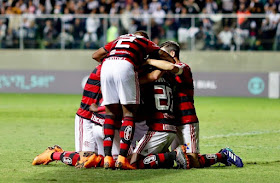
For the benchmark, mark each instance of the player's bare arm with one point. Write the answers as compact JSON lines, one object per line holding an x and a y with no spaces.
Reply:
{"x":99,"y":55}
{"x":167,"y":66}
{"x":151,"y":77}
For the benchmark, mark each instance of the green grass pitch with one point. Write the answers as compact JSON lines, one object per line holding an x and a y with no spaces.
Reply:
{"x":31,"y":122}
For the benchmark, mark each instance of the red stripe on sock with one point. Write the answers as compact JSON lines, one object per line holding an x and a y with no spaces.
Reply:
{"x":128,"y":123}
{"x":161,"y":158}
{"x":123,"y":146}
{"x":75,"y":159}
{"x":109,"y":121}
{"x":107,"y":143}
{"x":66,"y":154}
{"x":201,"y":160}
{"x":109,"y":131}
{"x":153,"y":164}
{"x":56,"y":156}
{"x":219,"y":157}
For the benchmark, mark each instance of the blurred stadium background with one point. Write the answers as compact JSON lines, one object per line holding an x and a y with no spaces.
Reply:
{"x":231,"y":45}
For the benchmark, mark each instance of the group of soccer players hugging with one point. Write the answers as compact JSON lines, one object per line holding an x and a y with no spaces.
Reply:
{"x":162,"y":117}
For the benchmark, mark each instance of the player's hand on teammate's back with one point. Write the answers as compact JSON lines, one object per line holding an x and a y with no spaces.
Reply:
{"x":93,"y":108}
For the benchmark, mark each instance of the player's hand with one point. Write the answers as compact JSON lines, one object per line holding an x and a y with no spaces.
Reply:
{"x":93,"y":108}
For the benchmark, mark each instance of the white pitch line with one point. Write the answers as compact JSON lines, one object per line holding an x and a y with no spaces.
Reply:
{"x":247,"y":147}
{"x":241,"y":134}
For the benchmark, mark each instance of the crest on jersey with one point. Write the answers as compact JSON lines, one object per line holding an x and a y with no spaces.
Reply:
{"x":128,"y":133}
{"x":149,"y":159}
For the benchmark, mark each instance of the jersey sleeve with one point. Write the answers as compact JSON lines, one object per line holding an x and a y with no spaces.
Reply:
{"x":108,"y":46}
{"x":152,"y":47}
{"x":186,"y":75}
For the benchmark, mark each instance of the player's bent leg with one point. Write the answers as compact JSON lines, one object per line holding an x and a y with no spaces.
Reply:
{"x":83,"y":135}
{"x":112,"y":113}
{"x":166,"y":160}
{"x":126,"y":135}
{"x":67,"y":157}
{"x":79,"y":129}
{"x":225,"y":156}
{"x":179,"y":139}
{"x":190,"y":134}
{"x":153,"y":147}
{"x":98,"y":135}
{"x":206,"y":160}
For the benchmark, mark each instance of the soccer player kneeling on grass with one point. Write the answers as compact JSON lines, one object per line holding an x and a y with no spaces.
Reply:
{"x":120,"y":87}
{"x":88,"y":128}
{"x":188,"y":128}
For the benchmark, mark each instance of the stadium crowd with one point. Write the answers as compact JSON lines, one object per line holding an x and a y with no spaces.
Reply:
{"x":208,"y":32}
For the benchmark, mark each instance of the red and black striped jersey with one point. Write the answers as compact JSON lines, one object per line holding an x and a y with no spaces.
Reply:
{"x":130,"y":47}
{"x":184,"y":93}
{"x":91,"y":94}
{"x":158,"y":104}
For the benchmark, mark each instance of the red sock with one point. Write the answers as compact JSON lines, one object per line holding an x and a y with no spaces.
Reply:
{"x":147,"y":162}
{"x":126,"y":135}
{"x":68,"y":158}
{"x":161,"y":160}
{"x":56,"y":156}
{"x":109,"y":131}
{"x":206,"y":160}
{"x":219,"y":157}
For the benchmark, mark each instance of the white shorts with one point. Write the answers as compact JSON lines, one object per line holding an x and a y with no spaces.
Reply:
{"x":119,"y":83}
{"x":83,"y":134}
{"x":154,"y":142}
{"x":188,"y":135}
{"x":89,"y":137}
